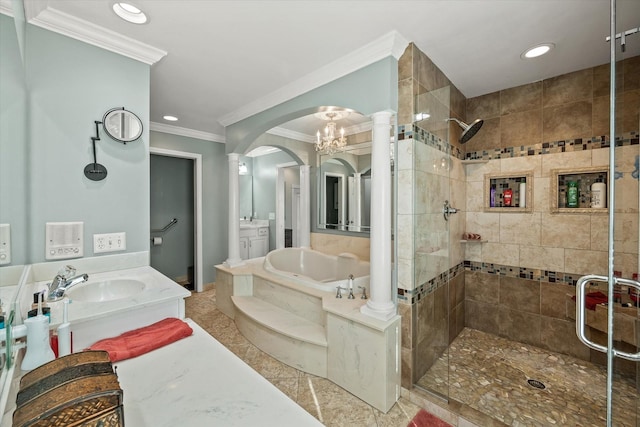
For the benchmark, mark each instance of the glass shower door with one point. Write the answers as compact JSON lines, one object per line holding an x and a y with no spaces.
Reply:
{"x":613,"y":332}
{"x":432,"y":243}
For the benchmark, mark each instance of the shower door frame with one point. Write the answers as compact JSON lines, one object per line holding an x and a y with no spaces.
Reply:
{"x":611,"y":280}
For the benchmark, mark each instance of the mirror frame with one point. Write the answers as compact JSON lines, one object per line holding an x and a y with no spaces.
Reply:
{"x":117,"y":136}
{"x":364,"y":230}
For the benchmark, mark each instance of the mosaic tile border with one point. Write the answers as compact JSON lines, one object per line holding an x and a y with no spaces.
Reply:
{"x":523,"y":272}
{"x":553,"y":147}
{"x":429,"y":139}
{"x":565,"y":146}
{"x":413,"y":296}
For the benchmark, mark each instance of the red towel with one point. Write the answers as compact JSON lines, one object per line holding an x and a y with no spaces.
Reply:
{"x":143,"y":340}
{"x":425,"y":419}
{"x":593,"y":298}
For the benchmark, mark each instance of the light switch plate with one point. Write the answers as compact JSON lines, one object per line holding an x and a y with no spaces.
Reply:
{"x":64,"y":240}
{"x":109,"y":242}
{"x":5,"y":244}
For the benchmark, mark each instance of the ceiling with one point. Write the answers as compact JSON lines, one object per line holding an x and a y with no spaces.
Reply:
{"x":228,"y":59}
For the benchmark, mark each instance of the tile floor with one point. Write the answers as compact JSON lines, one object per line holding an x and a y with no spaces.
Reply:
{"x":329,"y":403}
{"x":487,"y":375}
{"x":490,"y":374}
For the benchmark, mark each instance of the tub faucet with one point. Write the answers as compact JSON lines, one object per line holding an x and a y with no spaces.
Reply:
{"x":338,"y":294}
{"x":364,"y":292}
{"x":62,"y":282}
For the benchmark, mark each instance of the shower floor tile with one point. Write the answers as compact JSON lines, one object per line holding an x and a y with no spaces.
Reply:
{"x":490,"y":374}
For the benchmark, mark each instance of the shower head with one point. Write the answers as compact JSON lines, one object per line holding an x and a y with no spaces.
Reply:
{"x":468,"y":130}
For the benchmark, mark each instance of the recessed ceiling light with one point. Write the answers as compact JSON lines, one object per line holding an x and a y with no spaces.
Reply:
{"x":129,"y":13}
{"x":170,"y":118}
{"x":537,"y":50}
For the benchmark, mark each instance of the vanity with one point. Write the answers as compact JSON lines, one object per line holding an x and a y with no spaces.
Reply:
{"x":254,"y":238}
{"x":191,"y":382}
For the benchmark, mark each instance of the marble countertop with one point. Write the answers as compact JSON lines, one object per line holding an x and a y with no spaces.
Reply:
{"x":158,"y":288}
{"x":256,"y":223}
{"x":198,"y":382}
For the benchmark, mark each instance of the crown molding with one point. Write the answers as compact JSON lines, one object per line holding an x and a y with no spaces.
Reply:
{"x":6,"y":8}
{"x":190,"y":133}
{"x":299,"y":136}
{"x":262,"y":151}
{"x":391,"y":44}
{"x":291,"y":134}
{"x":79,"y":29}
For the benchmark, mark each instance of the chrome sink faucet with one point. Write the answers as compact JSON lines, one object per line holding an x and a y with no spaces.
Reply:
{"x":63,"y":282}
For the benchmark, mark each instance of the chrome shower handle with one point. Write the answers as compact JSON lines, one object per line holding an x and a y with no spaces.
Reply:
{"x":448,"y":210}
{"x":581,"y":313}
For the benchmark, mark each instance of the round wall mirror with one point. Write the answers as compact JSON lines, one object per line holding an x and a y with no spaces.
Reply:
{"x":122,"y":125}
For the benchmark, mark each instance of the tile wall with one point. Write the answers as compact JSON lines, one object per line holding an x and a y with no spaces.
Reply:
{"x":430,"y":255}
{"x":530,"y":261}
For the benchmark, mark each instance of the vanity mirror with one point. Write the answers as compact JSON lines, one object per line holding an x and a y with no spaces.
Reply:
{"x":122,"y":125}
{"x":344,"y":190}
{"x":246,"y":196}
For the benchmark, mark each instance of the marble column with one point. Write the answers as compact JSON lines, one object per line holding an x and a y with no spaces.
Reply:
{"x":233,"y":259}
{"x":380,"y":303}
{"x":304,"y":239}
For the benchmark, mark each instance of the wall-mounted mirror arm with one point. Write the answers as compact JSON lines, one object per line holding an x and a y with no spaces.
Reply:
{"x":95,"y":171}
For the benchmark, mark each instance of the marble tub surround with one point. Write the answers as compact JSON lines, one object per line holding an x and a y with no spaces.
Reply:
{"x":309,"y":329}
{"x":319,"y":270}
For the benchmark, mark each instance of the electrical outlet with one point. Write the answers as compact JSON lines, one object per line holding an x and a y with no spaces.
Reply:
{"x":110,"y":242}
{"x":5,"y":244}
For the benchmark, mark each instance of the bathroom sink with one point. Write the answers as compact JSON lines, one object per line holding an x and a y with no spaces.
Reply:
{"x":109,"y":290}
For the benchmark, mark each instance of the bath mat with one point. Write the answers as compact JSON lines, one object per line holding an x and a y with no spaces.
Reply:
{"x":425,"y":419}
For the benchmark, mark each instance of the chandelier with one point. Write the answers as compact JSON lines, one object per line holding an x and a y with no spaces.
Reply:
{"x":330,"y":143}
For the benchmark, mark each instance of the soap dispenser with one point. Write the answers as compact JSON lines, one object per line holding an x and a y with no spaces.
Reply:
{"x":39,"y":350}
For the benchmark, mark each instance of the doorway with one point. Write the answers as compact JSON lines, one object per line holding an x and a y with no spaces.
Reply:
{"x":333,"y":212}
{"x":176,"y":216}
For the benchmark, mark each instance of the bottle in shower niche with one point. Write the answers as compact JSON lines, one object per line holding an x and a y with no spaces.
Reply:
{"x":507,"y":196}
{"x":598,"y":195}
{"x":572,"y":194}
{"x":522,"y":195}
{"x":492,"y":197}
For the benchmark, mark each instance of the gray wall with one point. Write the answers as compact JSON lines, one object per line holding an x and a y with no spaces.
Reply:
{"x":368,"y":90}
{"x":171,"y":182}
{"x":68,"y":85}
{"x":214,"y":195}
{"x":13,"y":141}
{"x":72,"y":84}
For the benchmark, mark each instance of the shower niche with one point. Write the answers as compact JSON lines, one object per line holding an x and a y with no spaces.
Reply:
{"x":587,"y":198}
{"x":509,"y":192}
